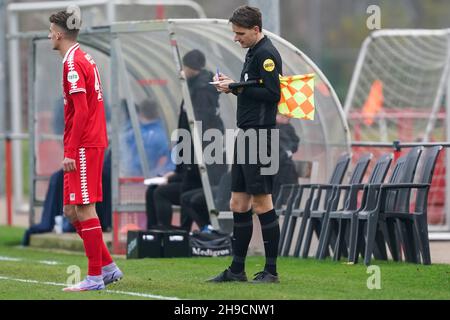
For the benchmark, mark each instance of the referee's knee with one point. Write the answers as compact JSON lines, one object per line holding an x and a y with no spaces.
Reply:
{"x":262,"y":204}
{"x":237,"y":206}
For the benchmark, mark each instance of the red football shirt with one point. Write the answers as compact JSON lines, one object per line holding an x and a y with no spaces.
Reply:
{"x":81,"y":76}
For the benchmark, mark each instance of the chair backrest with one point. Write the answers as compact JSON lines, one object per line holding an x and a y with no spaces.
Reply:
{"x":338,"y":174}
{"x":360,"y":168}
{"x":395,"y":177}
{"x":412,"y":159}
{"x":357,"y":176}
{"x":287,"y":191}
{"x":426,"y":175}
{"x":381,"y":169}
{"x":398,"y":200}
{"x":377,"y":177}
{"x":340,"y":169}
{"x":335,"y":179}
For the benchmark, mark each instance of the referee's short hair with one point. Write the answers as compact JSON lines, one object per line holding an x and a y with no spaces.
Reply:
{"x":247,"y":17}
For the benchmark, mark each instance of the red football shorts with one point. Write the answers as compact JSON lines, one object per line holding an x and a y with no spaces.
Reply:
{"x":84,"y":185}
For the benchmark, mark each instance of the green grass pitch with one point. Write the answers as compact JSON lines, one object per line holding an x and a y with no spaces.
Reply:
{"x":27,"y":273}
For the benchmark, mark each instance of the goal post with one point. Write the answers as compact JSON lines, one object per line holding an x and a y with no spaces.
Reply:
{"x":397,"y":93}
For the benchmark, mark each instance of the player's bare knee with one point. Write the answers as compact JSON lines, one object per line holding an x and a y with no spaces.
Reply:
{"x":70,"y":213}
{"x":86,"y":211}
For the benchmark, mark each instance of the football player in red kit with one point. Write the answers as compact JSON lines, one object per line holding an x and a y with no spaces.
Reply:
{"x":85,"y":141}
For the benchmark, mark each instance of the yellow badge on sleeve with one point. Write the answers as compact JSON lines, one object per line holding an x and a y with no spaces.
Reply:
{"x":269,"y":65}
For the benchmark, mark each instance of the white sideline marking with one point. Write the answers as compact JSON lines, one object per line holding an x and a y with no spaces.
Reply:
{"x":48,"y":262}
{"x":32,"y":281}
{"x":136,"y":294}
{"x":3,"y":258}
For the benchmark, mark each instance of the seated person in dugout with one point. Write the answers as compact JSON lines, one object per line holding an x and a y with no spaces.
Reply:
{"x":193,"y":202}
{"x":155,"y":139}
{"x":186,"y":177}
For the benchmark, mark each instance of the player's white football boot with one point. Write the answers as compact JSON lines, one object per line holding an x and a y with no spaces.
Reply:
{"x":86,"y":285}
{"x":112,"y":276}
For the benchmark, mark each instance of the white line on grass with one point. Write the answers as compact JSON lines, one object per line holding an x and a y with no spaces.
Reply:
{"x":47,"y":262}
{"x":136,"y":294}
{"x":3,"y":258}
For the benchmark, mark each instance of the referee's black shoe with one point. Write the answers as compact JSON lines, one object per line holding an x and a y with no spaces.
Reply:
{"x":227,"y":276}
{"x":265,"y":277}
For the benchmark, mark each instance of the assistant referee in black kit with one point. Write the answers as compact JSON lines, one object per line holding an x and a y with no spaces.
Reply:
{"x":256,"y":110}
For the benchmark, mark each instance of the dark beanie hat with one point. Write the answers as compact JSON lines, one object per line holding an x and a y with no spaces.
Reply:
{"x":194,"y":59}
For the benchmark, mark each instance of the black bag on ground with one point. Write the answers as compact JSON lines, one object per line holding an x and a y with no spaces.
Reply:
{"x":215,"y":244}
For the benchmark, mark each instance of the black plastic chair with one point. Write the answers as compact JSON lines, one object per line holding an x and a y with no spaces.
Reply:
{"x":284,"y":198}
{"x":357,"y":244}
{"x":317,"y":214}
{"x":343,"y":216}
{"x":414,"y":224}
{"x":290,"y":222}
{"x":392,"y":199}
{"x":283,"y":206}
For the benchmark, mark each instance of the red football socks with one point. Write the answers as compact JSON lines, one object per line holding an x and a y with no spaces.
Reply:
{"x":106,"y":257}
{"x":77,"y":226}
{"x":93,"y":239}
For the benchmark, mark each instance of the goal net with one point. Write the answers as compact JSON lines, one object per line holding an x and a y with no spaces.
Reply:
{"x":397,"y":93}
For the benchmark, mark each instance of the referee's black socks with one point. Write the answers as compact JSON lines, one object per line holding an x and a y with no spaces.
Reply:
{"x":242,"y":234}
{"x":271,"y":237}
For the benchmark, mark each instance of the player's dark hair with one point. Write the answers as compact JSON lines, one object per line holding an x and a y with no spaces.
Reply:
{"x":149,"y":109}
{"x":194,"y":59}
{"x":69,"y":23}
{"x":247,"y":17}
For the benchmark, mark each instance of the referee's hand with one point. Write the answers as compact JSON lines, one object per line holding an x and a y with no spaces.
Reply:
{"x":69,"y":165}
{"x":224,"y":82}
{"x":223,"y":86}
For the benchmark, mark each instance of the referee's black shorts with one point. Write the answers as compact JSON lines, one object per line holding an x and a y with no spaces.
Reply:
{"x":246,"y":174}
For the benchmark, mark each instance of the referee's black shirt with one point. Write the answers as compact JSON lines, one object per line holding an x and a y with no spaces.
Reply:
{"x":257,"y":106}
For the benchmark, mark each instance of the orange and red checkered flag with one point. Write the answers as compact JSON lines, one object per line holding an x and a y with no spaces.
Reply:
{"x":297,"y":96}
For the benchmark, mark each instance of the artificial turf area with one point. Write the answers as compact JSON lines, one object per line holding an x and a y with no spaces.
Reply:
{"x":29,"y":273}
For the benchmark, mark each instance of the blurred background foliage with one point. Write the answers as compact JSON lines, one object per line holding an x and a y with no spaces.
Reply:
{"x":331,"y":31}
{"x":328,"y":31}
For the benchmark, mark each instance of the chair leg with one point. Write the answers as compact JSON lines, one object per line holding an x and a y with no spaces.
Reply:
{"x":361,"y":242}
{"x":281,"y":241}
{"x":346,"y":240}
{"x":418,"y":249}
{"x":404,"y":240}
{"x":361,"y":249}
{"x":379,"y":251}
{"x":353,"y":238}
{"x":289,"y":235}
{"x":372,"y":223}
{"x":284,"y":225}
{"x":308,"y":237}
{"x":392,"y":239}
{"x":424,"y":242}
{"x":323,"y":240}
{"x":410,"y":245}
{"x":301,"y":233}
{"x":340,"y":241}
